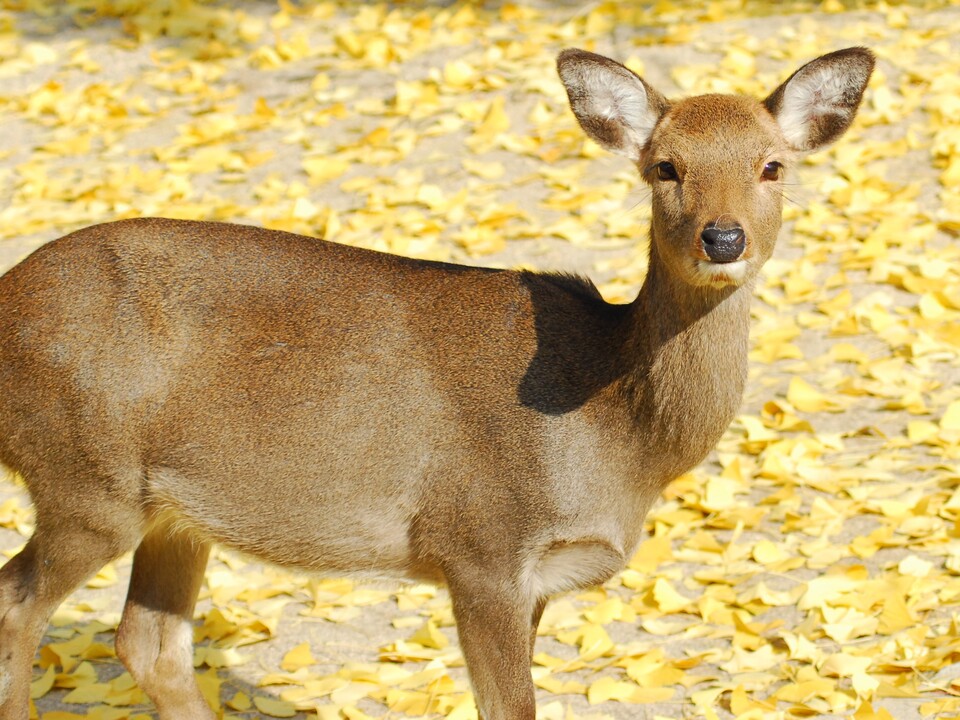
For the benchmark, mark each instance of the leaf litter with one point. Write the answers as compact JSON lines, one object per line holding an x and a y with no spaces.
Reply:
{"x":809,"y":568}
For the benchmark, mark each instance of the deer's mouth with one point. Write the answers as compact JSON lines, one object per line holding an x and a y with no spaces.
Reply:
{"x":717,"y":274}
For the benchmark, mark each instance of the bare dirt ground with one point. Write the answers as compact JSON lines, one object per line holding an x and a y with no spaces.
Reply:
{"x":810,"y":567}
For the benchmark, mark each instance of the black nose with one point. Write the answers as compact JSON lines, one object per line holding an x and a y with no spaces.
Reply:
{"x":723,"y":246}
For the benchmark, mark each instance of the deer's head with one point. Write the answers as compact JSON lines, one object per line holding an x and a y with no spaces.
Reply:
{"x":715,"y":163}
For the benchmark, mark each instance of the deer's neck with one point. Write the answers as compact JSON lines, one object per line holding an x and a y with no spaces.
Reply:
{"x":690,"y":346}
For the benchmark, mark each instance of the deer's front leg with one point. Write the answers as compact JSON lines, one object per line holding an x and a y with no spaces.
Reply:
{"x":493,"y":624}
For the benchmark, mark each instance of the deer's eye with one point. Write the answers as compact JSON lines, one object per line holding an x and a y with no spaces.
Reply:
{"x":666,"y":171}
{"x":772,"y":171}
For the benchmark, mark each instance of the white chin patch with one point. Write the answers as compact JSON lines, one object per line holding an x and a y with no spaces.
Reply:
{"x":720,"y":275}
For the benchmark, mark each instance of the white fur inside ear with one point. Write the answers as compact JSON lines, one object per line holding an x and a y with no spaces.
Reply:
{"x":611,"y":104}
{"x":812,"y":94}
{"x":627,"y":104}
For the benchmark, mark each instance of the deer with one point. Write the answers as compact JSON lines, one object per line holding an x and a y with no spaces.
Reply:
{"x":167,"y":385}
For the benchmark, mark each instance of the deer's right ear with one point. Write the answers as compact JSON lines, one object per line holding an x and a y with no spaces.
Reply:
{"x":613,"y":105}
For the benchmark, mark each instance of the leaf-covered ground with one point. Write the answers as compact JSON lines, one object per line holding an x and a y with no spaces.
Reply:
{"x":809,"y":568}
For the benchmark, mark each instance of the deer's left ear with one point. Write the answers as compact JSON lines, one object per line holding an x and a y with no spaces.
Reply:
{"x":817,"y":104}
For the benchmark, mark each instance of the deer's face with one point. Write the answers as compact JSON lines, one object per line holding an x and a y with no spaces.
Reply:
{"x":715,"y":162}
{"x":715,"y":165}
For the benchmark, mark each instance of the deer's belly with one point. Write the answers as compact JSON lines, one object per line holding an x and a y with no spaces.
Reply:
{"x":337,"y":528}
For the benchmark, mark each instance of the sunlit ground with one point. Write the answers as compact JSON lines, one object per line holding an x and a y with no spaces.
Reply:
{"x":810,"y":568}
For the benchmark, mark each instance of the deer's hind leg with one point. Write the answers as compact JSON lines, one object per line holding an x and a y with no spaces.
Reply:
{"x":155,"y":637}
{"x":68,"y":545}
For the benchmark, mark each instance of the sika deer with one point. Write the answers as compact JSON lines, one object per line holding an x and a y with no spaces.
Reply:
{"x":165,"y":385}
